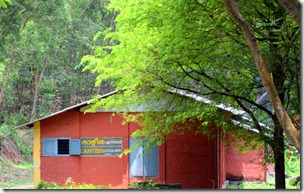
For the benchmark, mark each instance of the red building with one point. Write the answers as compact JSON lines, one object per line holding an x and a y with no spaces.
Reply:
{"x":86,"y":147}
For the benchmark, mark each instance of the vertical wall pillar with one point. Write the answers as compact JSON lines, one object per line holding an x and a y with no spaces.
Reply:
{"x":36,"y":153}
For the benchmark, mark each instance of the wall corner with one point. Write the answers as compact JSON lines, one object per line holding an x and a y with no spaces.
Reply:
{"x":36,"y":153}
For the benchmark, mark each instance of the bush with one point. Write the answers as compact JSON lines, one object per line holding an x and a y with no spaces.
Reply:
{"x":292,"y":162}
{"x":69,"y":184}
{"x":24,"y":148}
{"x":153,"y":185}
{"x":143,"y":185}
{"x":4,"y":130}
{"x":47,"y":185}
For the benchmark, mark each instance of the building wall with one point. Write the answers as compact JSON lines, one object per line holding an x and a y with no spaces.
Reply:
{"x":103,"y":170}
{"x":59,"y":168}
{"x":188,"y":159}
{"x":99,"y":170}
{"x":246,"y":164}
{"x":191,"y":161}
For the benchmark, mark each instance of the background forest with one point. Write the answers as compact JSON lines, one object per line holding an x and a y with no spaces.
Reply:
{"x":149,"y":47}
{"x":42,"y":43}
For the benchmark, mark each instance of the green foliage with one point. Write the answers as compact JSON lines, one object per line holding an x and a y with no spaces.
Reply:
{"x":252,"y":186}
{"x":160,"y":48}
{"x":292,"y":162}
{"x":270,"y":184}
{"x":13,"y":175}
{"x":69,"y":184}
{"x":25,"y":149}
{"x":147,"y":63}
{"x":4,"y":130}
{"x":295,"y":181}
{"x":192,"y":46}
{"x":152,"y":185}
{"x":146,"y":185}
{"x":47,"y":185}
{"x":3,"y":3}
{"x":41,"y":45}
{"x":25,"y":165}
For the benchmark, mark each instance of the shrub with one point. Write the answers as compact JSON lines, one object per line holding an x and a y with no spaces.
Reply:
{"x":143,"y":185}
{"x":69,"y":184}
{"x":153,"y":185}
{"x":292,"y":162}
{"x":47,"y":185}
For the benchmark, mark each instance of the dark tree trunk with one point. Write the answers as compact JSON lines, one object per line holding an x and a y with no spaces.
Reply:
{"x":278,"y":152}
{"x":264,"y":73}
{"x":279,"y":78}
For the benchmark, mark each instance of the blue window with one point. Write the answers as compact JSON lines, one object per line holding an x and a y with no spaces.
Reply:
{"x":143,"y":163}
{"x":57,"y":147}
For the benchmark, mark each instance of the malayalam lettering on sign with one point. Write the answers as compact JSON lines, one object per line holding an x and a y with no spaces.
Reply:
{"x":103,"y":146}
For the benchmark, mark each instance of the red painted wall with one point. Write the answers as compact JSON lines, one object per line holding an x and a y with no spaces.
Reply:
{"x":189,"y":159}
{"x":103,"y":170}
{"x":245,"y":164}
{"x":98,"y":170}
{"x":58,"y":169}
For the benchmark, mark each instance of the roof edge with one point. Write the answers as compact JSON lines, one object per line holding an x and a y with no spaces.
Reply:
{"x":31,"y":123}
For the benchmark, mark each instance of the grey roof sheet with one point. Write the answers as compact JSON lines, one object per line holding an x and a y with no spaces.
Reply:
{"x":29,"y":124}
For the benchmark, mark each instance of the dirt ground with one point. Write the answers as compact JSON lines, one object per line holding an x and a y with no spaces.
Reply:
{"x":22,"y":187}
{"x":14,"y":170}
{"x":15,"y":175}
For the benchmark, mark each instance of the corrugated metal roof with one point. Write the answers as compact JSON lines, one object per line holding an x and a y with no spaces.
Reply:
{"x":180,"y":92}
{"x":207,"y":101}
{"x":29,"y":124}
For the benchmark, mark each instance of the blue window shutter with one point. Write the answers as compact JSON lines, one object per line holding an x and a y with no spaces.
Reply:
{"x":136,"y":160}
{"x":49,"y":146}
{"x":74,"y":146}
{"x":151,"y":162}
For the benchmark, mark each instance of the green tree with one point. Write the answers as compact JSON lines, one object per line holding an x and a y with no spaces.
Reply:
{"x":274,"y":85}
{"x":3,"y":3}
{"x":194,"y":48}
{"x":41,"y":44}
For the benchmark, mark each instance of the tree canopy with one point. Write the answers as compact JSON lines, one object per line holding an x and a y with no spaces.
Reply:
{"x":196,"y":47}
{"x":188,"y":58}
{"x":41,"y":44}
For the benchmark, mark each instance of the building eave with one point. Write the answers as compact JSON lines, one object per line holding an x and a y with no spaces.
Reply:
{"x":30,"y":124}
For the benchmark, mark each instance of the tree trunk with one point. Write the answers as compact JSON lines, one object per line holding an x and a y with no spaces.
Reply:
{"x":256,"y":52}
{"x":293,"y":7}
{"x":37,"y":82}
{"x":6,"y":78}
{"x":278,"y":152}
{"x":2,"y":91}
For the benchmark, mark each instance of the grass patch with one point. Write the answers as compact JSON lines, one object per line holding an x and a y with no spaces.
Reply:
{"x":24,"y":165}
{"x":270,"y":184}
{"x":69,"y":184}
{"x":8,"y":185}
{"x":15,"y":174}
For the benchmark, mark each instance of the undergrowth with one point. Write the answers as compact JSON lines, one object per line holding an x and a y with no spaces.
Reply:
{"x":13,"y":175}
{"x":69,"y":184}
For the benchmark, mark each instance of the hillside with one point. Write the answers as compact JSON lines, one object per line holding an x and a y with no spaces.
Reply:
{"x":16,"y":169}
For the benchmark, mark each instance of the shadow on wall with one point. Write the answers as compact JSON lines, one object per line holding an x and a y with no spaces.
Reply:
{"x":245,"y":166}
